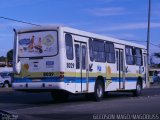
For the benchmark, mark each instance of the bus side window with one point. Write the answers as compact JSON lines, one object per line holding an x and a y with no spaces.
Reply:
{"x":83,"y":57}
{"x":77,"y":54}
{"x":99,"y":53}
{"x":138,"y":57}
{"x":129,"y":56}
{"x":69,"y":46}
{"x":110,"y":52}
{"x":117,"y":59}
{"x":91,"y":50}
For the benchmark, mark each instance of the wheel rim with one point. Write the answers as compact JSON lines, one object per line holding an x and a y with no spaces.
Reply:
{"x":99,"y":91}
{"x":6,"y":85}
{"x":139,"y":88}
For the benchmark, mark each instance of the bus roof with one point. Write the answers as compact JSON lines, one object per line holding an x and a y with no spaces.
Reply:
{"x":82,"y":33}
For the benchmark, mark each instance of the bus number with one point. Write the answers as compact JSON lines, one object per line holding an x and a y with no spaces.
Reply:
{"x":48,"y":74}
{"x":70,"y":65}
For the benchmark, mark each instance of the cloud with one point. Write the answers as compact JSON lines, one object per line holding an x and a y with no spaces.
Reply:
{"x":111,"y":11}
{"x":130,"y":26}
{"x":122,"y":35}
{"x":1,"y":25}
{"x":126,"y":36}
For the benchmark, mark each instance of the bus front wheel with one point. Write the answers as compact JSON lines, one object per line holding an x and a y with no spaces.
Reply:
{"x":138,"y":89}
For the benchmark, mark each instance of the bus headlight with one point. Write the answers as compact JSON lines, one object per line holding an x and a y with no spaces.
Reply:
{"x":18,"y":67}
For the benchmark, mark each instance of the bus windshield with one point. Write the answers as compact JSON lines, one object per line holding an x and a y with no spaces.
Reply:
{"x":37,"y":44}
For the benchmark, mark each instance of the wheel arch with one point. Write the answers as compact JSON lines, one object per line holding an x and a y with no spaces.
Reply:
{"x":6,"y":81}
{"x":101,"y":78}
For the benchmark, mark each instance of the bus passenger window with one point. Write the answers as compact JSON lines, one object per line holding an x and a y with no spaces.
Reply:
{"x":99,"y":54}
{"x":138,"y":57}
{"x":91,"y":49}
{"x":129,"y":56}
{"x":77,"y":54}
{"x":83,"y":57}
{"x":69,"y":46}
{"x":121,"y":59}
{"x":110,"y":52}
{"x":117,"y":59}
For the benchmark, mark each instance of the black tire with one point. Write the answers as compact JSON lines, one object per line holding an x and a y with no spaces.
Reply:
{"x":98,"y":91}
{"x":60,"y":96}
{"x":138,"y":90}
{"x":6,"y":85}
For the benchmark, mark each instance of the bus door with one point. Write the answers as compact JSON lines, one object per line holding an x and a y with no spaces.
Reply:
{"x":81,"y":61}
{"x":120,"y":68}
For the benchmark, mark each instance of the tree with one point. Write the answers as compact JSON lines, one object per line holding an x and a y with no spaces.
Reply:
{"x":2,"y":59}
{"x":10,"y":55}
{"x":10,"y":58}
{"x":157,"y":55}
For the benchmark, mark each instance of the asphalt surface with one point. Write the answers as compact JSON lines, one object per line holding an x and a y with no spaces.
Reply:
{"x":40,"y":106}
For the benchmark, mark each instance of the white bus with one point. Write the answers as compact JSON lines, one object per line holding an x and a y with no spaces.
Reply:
{"x":64,"y":60}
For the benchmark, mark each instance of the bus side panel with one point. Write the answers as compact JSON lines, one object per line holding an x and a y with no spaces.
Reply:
{"x":111,"y":77}
{"x":131,"y":77}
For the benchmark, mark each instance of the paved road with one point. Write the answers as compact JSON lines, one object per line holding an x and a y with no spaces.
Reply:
{"x":40,"y":106}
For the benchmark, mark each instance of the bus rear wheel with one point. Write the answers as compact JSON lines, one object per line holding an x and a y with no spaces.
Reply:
{"x":6,"y":85}
{"x":138,"y":90}
{"x":60,"y":96}
{"x":98,"y":91}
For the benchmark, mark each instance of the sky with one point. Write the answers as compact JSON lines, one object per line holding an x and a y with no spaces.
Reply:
{"x":123,"y":19}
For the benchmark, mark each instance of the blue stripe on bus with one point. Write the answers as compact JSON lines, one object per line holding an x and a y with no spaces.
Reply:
{"x":71,"y":79}
{"x":128,"y":79}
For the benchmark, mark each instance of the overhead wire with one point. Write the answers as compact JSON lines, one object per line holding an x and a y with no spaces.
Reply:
{"x":155,"y":45}
{"x":20,"y":21}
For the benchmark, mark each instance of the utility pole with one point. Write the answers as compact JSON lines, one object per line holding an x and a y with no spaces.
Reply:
{"x":148,"y":44}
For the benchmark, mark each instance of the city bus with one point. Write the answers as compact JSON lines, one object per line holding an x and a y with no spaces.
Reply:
{"x":64,"y":61}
